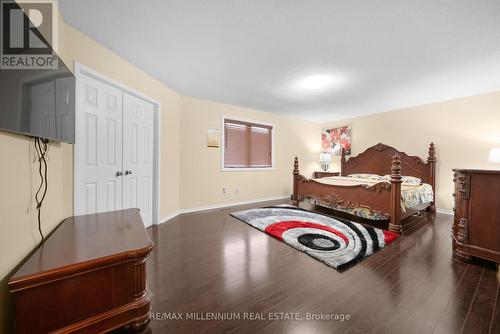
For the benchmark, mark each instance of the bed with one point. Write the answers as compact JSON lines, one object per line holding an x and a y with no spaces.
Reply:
{"x":380,"y":184}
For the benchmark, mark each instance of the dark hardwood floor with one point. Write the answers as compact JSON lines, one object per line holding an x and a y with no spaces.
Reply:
{"x":209,"y":262}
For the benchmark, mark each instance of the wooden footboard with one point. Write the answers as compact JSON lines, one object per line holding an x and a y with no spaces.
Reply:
{"x":383,"y":198}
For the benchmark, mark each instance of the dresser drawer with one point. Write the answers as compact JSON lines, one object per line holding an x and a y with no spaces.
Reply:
{"x":476,"y":224}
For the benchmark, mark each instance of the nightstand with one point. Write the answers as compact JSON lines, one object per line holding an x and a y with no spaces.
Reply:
{"x":321,"y":174}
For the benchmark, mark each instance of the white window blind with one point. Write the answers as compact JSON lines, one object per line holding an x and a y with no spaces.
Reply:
{"x":247,"y":145}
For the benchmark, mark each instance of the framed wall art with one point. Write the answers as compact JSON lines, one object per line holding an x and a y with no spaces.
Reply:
{"x":336,"y":139}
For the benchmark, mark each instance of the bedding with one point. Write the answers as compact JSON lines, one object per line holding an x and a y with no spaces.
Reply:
{"x":412,"y":194}
{"x":366,"y":176}
{"x":405,"y":179}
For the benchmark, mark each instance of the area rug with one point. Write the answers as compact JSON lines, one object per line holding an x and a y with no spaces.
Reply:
{"x":337,"y":242}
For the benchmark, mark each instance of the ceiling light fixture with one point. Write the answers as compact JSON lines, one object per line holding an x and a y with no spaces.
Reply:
{"x":315,"y":82}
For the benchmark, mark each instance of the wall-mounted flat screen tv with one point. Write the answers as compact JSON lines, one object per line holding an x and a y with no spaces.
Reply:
{"x":38,"y":103}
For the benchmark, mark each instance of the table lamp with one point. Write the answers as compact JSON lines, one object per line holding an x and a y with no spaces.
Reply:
{"x":494,"y":155}
{"x":325,"y":159}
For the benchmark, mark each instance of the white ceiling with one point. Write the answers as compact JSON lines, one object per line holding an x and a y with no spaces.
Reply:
{"x":382,"y":54}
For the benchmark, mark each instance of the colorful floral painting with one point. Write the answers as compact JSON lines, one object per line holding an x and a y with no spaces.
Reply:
{"x":334,"y":140}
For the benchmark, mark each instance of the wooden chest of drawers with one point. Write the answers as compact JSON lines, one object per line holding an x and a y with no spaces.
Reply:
{"x":476,"y":226}
{"x":89,"y":276}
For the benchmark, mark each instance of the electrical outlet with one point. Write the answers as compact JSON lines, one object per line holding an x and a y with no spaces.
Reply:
{"x":224,"y":190}
{"x":237,"y":191}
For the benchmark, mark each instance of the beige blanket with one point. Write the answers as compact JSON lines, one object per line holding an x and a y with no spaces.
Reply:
{"x":354,"y":181}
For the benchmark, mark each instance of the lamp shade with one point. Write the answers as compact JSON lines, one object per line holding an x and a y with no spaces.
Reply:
{"x":325,"y":157}
{"x":495,"y":155}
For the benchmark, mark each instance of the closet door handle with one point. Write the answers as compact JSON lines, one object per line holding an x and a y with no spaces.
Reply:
{"x":118,"y":173}
{"x":128,"y":172}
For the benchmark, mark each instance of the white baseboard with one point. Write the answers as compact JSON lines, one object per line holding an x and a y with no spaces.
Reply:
{"x":225,"y":205}
{"x":446,"y":212}
{"x":219,"y":206}
{"x":169,"y":216}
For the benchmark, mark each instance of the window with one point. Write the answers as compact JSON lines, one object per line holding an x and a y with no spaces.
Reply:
{"x":247,"y":145}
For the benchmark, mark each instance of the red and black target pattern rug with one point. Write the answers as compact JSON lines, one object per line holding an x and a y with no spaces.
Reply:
{"x":337,"y":242}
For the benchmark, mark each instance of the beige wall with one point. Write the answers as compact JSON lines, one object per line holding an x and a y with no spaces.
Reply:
{"x":18,"y":228}
{"x":201,"y":176}
{"x":463,"y":130}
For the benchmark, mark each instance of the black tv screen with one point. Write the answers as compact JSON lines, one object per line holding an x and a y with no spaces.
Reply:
{"x":38,"y":103}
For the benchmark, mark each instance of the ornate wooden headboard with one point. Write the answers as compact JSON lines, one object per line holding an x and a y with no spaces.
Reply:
{"x":378,"y":160}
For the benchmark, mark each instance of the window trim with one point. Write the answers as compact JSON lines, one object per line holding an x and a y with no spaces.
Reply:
{"x":223,"y":146}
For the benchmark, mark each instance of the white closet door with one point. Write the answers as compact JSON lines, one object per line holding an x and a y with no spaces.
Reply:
{"x":99,"y":147}
{"x":138,"y":156}
{"x":43,"y":110}
{"x":65,"y":108}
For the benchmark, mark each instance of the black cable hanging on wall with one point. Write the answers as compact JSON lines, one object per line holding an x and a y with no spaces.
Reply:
{"x":41,"y":147}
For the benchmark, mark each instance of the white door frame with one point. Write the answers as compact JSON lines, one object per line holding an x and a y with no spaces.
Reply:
{"x":79,"y":70}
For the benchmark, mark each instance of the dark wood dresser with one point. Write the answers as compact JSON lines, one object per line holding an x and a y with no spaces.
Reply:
{"x":89,"y":276}
{"x":320,"y":174}
{"x":476,"y":227}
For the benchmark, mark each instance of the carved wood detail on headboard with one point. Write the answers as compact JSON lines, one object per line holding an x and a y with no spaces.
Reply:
{"x":378,"y":160}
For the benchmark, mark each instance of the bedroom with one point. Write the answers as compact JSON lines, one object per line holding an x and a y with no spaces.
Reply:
{"x":291,"y":71}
